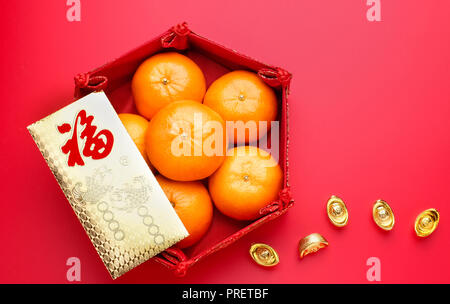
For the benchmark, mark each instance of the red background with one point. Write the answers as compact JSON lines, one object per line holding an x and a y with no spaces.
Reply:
{"x":370,"y":108}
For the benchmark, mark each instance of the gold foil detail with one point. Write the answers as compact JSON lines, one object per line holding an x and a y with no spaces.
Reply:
{"x":337,"y":211}
{"x":311,"y":244}
{"x":117,"y":200}
{"x":426,"y":222}
{"x":383,"y":215}
{"x":264,"y":255}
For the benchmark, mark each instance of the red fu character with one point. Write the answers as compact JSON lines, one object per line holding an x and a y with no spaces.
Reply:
{"x":95,"y":146}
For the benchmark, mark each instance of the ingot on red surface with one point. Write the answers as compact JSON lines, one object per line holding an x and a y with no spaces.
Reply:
{"x":311,"y":243}
{"x":337,"y":211}
{"x":383,"y":215}
{"x":264,"y":255}
{"x":426,"y":222}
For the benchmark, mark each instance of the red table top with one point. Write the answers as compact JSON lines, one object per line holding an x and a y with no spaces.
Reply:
{"x":370,"y":108}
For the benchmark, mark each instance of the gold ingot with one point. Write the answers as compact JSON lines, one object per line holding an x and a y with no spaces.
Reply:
{"x":264,"y":255}
{"x":337,"y":211}
{"x":426,"y":222}
{"x":311,"y":243}
{"x":383,"y":215}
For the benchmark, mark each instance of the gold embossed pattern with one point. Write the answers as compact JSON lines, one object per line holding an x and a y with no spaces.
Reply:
{"x":122,"y":209}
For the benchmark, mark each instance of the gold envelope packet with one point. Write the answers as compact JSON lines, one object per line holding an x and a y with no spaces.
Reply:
{"x":108,"y":183}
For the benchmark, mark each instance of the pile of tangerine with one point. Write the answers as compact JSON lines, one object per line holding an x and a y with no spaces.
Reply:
{"x":179,"y":116}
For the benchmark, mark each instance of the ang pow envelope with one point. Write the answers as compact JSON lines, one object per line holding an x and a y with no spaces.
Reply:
{"x":108,"y":183}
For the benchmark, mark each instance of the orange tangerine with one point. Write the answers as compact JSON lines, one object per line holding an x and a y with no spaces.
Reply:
{"x":248,"y":180}
{"x":243,"y":96}
{"x":193,"y":205}
{"x":136,"y":127}
{"x":165,"y":78}
{"x":186,"y":141}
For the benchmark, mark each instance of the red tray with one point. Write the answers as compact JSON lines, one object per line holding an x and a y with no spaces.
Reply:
{"x":215,"y":60}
